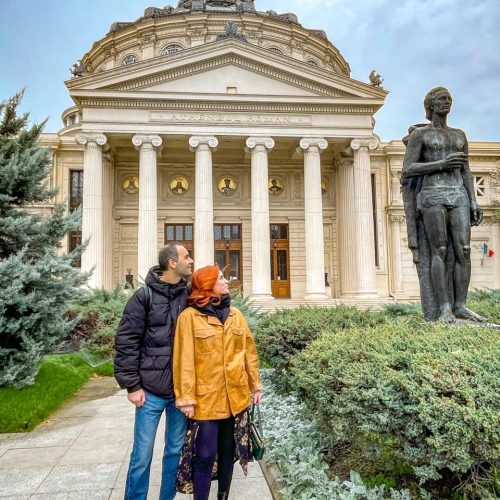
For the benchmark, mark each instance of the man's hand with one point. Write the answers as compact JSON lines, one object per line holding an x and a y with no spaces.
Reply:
{"x":187,"y":410}
{"x":257,"y":397}
{"x":476,"y":214}
{"x":138,"y":398}
{"x":454,"y":160}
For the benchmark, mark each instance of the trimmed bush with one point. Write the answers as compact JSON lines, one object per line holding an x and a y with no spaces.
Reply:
{"x":429,"y":394}
{"x":282,"y":335}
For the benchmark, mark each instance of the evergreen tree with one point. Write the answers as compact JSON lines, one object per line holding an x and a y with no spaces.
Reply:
{"x":36,"y":283}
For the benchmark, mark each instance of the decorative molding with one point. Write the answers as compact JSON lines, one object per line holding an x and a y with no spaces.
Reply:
{"x":140,"y":140}
{"x":397,"y":218}
{"x":218,"y":106}
{"x":195,"y":141}
{"x":224,"y":60}
{"x":267,"y":142}
{"x":308,"y":142}
{"x":84,"y":139}
{"x":364,"y":142}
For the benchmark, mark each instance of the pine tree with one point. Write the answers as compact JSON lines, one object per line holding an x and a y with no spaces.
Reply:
{"x":36,"y":283}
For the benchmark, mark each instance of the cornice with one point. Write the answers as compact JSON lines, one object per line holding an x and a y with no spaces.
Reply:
{"x":225,"y":106}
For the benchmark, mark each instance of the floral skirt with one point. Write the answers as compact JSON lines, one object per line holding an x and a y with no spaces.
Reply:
{"x":242,"y":451}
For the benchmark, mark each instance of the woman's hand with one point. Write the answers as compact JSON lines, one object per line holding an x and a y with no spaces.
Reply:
{"x":187,"y":410}
{"x":257,"y":397}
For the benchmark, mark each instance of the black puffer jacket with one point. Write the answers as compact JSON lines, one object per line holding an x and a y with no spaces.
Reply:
{"x":145,"y":336}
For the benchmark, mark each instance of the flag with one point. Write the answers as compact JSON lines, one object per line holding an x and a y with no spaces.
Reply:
{"x":487,"y":251}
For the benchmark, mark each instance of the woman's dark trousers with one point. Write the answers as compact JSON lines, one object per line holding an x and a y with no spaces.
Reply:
{"x":215,"y":439}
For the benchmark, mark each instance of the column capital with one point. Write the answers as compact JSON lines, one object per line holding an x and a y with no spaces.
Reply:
{"x":197,"y":140}
{"x":309,"y":142}
{"x":364,"y":142}
{"x":140,"y":140}
{"x":98,"y":138}
{"x":253,"y":142}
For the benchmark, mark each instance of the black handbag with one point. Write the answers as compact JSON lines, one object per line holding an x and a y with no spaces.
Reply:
{"x":258,"y":444}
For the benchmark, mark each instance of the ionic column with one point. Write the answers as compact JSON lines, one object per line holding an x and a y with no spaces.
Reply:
{"x":108,"y":224}
{"x":313,"y":207}
{"x":147,"y":247}
{"x":355,"y":222}
{"x":204,"y":204}
{"x":261,"y":233}
{"x":92,"y":209}
{"x":395,"y":222}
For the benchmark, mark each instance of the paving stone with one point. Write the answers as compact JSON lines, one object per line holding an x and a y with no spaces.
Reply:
{"x":254,"y":470}
{"x":79,"y":477}
{"x":21,"y":482}
{"x":101,"y":455}
{"x":74,"y":495}
{"x":54,"y":433}
{"x":29,"y":458}
{"x":246,"y":489}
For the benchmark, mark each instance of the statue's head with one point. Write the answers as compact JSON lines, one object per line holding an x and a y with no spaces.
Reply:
{"x":430,"y":97}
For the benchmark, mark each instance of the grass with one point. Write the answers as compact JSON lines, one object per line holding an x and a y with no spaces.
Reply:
{"x":59,"y":377}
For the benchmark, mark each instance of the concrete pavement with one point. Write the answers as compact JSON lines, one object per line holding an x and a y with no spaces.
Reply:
{"x":82,"y":453}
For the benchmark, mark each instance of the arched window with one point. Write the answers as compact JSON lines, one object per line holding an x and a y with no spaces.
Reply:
{"x":130,"y":59}
{"x":312,"y":62}
{"x":171,"y":49}
{"x":276,"y":50}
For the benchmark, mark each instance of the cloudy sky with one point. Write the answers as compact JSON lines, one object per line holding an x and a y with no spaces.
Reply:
{"x":414,"y":44}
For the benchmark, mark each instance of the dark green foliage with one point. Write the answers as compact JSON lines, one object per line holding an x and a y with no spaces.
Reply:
{"x":430,"y":393}
{"x":98,"y":313}
{"x":486,"y":303}
{"x":35,"y":282}
{"x":252,"y":315}
{"x":403,"y":310}
{"x":282,"y":335}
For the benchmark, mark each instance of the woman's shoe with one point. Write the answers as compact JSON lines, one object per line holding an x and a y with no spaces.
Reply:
{"x":222,"y":495}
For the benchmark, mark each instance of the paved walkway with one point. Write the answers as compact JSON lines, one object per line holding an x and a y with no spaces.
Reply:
{"x":82,"y":453}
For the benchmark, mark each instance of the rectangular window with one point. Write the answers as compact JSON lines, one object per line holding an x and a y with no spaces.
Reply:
{"x":75,"y":201}
{"x":181,"y":233}
{"x":479,"y":186}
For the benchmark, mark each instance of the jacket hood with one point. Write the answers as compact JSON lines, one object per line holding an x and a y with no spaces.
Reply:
{"x":153,"y":280}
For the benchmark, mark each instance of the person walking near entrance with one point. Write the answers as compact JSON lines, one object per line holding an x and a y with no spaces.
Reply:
{"x":143,"y":366}
{"x":216,"y":367}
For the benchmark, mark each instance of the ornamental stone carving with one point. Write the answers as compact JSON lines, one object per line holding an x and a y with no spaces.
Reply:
{"x":308,"y":142}
{"x":84,"y":139}
{"x":364,"y":142}
{"x":253,"y":142}
{"x":196,"y":141}
{"x":140,"y":140}
{"x":397,"y":219}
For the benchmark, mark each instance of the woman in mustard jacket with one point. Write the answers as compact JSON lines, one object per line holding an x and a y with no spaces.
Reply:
{"x":215,"y":368}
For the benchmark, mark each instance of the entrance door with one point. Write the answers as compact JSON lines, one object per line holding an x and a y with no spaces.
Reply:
{"x":280,"y":265}
{"x":227,"y":238}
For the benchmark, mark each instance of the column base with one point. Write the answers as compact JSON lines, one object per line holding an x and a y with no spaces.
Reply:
{"x":368,"y":294}
{"x":316,"y":296}
{"x":257,"y":297}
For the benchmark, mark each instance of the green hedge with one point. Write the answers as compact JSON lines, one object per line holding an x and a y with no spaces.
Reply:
{"x":429,"y":394}
{"x":282,"y":335}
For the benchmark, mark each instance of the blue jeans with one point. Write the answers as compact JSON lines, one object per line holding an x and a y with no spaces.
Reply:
{"x":146,"y":423}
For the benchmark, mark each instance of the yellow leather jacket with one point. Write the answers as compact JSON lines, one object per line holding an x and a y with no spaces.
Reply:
{"x":215,"y":366}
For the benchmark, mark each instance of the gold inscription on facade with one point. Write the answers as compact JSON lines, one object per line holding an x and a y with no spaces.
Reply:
{"x":224,"y":118}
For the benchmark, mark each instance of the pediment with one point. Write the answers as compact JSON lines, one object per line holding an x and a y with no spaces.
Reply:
{"x":212,"y":68}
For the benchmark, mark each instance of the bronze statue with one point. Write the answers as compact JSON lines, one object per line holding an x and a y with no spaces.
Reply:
{"x":440,"y":206}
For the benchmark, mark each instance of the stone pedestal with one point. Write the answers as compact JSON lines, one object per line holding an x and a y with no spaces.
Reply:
{"x":92,"y":207}
{"x":355,"y":222}
{"x":204,"y":205}
{"x":147,"y":245}
{"x":313,"y":208}
{"x":261,"y":233}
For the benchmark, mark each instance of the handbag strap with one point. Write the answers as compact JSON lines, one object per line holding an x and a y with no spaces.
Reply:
{"x":257,"y":421}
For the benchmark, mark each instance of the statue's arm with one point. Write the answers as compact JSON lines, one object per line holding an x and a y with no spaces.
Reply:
{"x":476,"y":212}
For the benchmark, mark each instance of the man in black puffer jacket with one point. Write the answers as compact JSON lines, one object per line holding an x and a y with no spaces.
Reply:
{"x":143,"y":366}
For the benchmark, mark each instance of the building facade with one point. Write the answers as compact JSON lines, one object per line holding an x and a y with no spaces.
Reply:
{"x":241,"y":134}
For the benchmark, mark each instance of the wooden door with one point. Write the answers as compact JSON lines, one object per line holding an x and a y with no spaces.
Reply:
{"x":280,"y":262}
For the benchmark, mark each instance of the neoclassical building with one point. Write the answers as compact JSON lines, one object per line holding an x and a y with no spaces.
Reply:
{"x":242,"y":135}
